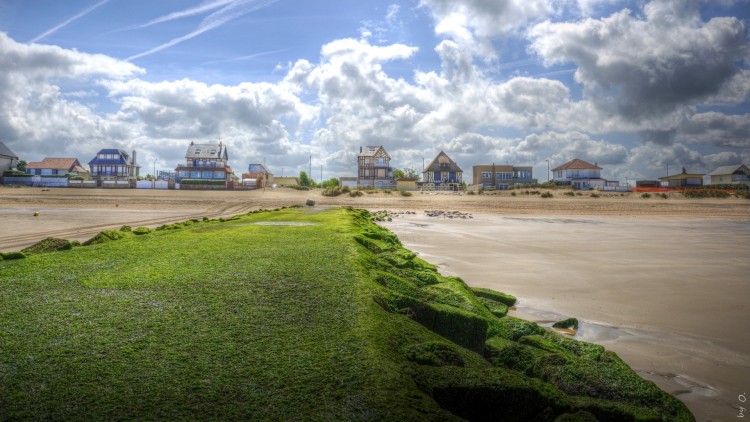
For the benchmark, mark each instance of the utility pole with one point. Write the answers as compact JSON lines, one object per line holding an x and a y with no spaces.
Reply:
{"x":547,"y":170}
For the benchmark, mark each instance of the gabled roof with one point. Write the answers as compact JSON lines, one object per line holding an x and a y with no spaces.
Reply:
{"x":67,"y":164}
{"x":443,"y":163}
{"x":207,"y":151}
{"x":6,"y":152}
{"x":576,"y":164}
{"x":371,"y":151}
{"x":726,"y":170}
{"x":123,"y":158}
{"x":257,"y":168}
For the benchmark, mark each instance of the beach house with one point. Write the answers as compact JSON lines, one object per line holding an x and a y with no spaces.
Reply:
{"x":113,"y":165}
{"x":442,"y":174}
{"x":494,"y":176}
{"x":205,"y":165}
{"x":579,"y":174}
{"x":729,"y":175}
{"x":683,"y":180}
{"x":258,"y":177}
{"x":57,"y":166}
{"x":8,"y":159}
{"x":374,"y":168}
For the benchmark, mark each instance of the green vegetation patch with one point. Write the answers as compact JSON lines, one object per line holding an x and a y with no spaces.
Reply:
{"x":331,"y":320}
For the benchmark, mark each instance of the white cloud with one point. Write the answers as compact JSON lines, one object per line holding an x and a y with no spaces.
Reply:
{"x":646,"y":68}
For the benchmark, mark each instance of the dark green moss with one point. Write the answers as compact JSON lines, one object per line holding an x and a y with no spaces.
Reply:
{"x":433,"y":354}
{"x":8,"y":256}
{"x":141,"y":231}
{"x":498,"y":309}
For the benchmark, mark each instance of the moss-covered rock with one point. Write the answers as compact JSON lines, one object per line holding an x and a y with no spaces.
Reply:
{"x":49,"y":244}
{"x":569,"y":323}
{"x":126,"y":229}
{"x":104,"y":237}
{"x":141,"y":231}
{"x":498,"y":309}
{"x":8,"y":256}
{"x":504,"y":298}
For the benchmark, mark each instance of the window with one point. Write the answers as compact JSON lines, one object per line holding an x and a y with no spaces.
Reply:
{"x":503,"y":176}
{"x":486,"y":175}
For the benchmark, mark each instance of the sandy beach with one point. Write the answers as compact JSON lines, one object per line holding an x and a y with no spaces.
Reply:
{"x":662,"y":282}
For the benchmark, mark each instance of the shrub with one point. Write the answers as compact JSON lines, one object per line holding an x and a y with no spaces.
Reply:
{"x":405,"y":193}
{"x":512,"y":194}
{"x":663,"y":195}
{"x":332,"y":191}
{"x":547,"y":195}
{"x":387,"y":191}
{"x":345,"y":189}
{"x":471,"y":192}
{"x":125,"y":229}
{"x":595,"y":195}
{"x":646,"y":195}
{"x":569,"y":193}
{"x":705,"y":193}
{"x":355,"y":193}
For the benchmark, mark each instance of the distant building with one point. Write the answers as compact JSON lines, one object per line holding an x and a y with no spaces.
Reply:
{"x":579,"y":174}
{"x":502,"y":176}
{"x":683,"y":180}
{"x":8,"y":159}
{"x":348,"y":181}
{"x":113,"y":165}
{"x":442,"y":173}
{"x":727,"y":175}
{"x":258,"y":176}
{"x":374,"y":168}
{"x":57,"y":166}
{"x":205,"y":162}
{"x":286,"y":181}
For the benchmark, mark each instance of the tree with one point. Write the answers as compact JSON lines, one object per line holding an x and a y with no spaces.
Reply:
{"x":21,"y":166}
{"x":330,"y":183}
{"x":305,"y":180}
{"x":406,"y":173}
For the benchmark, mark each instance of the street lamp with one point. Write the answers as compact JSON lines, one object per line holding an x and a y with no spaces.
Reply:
{"x":153,"y":177}
{"x":547,"y":169}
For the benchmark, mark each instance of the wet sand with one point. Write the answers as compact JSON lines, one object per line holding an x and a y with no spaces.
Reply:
{"x":672,"y":298}
{"x":662,"y":282}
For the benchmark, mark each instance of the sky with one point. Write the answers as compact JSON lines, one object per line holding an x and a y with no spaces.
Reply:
{"x":639,"y":87}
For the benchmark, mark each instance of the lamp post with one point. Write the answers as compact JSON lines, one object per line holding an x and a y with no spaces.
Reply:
{"x":547,"y":170}
{"x":154,"y":175}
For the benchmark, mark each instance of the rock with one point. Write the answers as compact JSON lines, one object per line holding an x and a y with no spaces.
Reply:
{"x":310,"y":203}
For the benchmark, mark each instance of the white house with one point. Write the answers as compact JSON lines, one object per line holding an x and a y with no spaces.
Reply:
{"x":579,"y":174}
{"x":726,"y":175}
{"x":8,"y":159}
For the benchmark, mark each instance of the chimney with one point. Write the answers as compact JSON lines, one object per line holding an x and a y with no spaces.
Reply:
{"x":360,"y":150}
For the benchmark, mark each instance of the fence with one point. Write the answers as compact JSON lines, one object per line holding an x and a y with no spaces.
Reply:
{"x":149,"y":184}
{"x":46,"y":182}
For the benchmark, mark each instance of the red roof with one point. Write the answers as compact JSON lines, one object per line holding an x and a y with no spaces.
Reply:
{"x":577,"y":164}
{"x":66,"y":164}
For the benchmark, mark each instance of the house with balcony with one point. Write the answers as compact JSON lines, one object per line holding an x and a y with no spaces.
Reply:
{"x":113,"y":165}
{"x":205,"y":165}
{"x":579,"y":174}
{"x":493,"y":176}
{"x":8,"y":159}
{"x":442,"y":174}
{"x":57,"y":167}
{"x":730,"y":175}
{"x":374,"y":168}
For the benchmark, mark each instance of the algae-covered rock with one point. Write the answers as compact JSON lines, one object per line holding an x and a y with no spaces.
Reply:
{"x":504,"y":298}
{"x":141,"y":231}
{"x":570,"y":324}
{"x":104,"y":237}
{"x":49,"y":244}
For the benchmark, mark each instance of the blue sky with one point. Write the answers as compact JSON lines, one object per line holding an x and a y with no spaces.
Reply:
{"x":634,"y":86}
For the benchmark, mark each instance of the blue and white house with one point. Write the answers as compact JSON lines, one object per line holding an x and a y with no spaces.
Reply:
{"x":442,"y":173}
{"x":113,"y":165}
